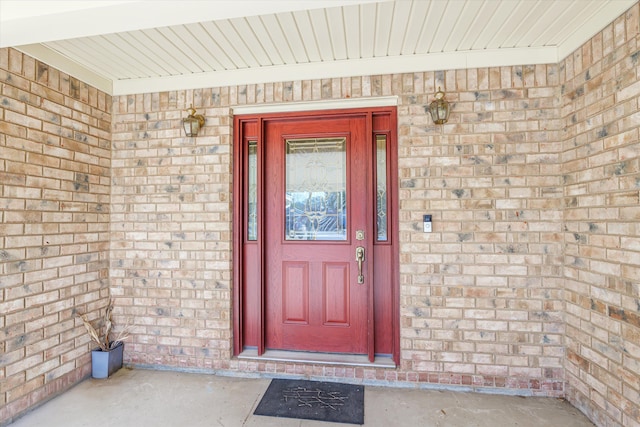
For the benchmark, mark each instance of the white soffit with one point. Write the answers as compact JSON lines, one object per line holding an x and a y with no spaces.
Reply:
{"x":129,"y":47}
{"x":29,"y":21}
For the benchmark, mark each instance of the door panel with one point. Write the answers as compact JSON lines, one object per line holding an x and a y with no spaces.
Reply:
{"x":336,"y":294}
{"x":317,"y":199}
{"x":295,"y":292}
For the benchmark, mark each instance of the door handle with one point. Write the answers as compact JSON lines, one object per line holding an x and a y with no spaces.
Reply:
{"x":360,"y":260}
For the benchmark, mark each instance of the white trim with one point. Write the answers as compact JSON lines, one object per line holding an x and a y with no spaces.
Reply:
{"x":66,"y":65}
{"x":343,"y":68}
{"x":297,"y":72}
{"x":489,"y":58}
{"x":327,"y":104}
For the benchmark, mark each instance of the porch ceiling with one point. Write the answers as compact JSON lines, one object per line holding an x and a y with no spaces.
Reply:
{"x":125,"y":47}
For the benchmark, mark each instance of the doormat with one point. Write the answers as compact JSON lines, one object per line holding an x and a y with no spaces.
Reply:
{"x":313,"y":400}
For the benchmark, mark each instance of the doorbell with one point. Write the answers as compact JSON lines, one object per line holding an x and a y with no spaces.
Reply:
{"x":426,"y":223}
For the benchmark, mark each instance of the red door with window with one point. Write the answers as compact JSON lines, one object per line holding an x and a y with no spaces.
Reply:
{"x":317,"y":292}
{"x":315,"y":252}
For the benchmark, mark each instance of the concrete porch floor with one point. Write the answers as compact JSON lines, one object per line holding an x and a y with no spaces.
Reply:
{"x":140,"y":398}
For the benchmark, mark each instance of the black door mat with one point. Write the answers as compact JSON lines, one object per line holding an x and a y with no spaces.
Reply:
{"x":313,"y":400}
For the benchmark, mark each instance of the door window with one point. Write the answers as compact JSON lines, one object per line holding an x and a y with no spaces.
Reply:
{"x":252,"y":193}
{"x":316,"y":189}
{"x":381,"y":188}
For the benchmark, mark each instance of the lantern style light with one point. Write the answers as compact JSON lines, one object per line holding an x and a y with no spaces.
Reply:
{"x":193,"y":122}
{"x":439,"y":108}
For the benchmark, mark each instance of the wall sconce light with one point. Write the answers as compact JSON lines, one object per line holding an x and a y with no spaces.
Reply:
{"x":439,"y":108}
{"x":193,"y":122}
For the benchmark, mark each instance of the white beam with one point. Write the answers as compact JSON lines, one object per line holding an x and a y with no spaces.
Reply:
{"x":345,"y":68}
{"x":64,"y":64}
{"x":325,"y":104}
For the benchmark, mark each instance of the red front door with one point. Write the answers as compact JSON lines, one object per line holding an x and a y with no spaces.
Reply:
{"x":317,"y":219}
{"x":311,"y":190}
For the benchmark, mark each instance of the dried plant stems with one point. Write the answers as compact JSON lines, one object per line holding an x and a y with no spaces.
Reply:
{"x":104,"y":342}
{"x":108,"y":323}
{"x":93,"y":333}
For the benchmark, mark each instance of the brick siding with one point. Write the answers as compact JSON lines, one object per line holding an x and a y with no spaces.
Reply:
{"x":601,"y":157}
{"x":55,"y":166}
{"x":481,"y":296}
{"x":528,"y":283}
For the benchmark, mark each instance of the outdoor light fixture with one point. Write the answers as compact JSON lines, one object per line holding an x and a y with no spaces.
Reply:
{"x":193,"y":122}
{"x":439,"y":108}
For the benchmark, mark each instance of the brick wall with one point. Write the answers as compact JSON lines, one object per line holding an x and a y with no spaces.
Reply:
{"x":481,"y":295}
{"x":601,"y":159}
{"x":55,"y":137}
{"x":171,"y":229}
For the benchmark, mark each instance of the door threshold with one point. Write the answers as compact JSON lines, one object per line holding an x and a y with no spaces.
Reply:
{"x":322,"y":358}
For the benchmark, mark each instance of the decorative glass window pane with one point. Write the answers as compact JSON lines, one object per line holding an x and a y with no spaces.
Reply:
{"x":316,"y":186}
{"x":381,"y":187}
{"x":252,"y":217}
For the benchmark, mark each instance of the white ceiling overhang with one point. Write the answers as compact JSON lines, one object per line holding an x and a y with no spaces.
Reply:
{"x":127,"y":47}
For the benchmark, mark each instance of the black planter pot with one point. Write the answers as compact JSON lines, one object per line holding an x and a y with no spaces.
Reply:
{"x":105,"y":363}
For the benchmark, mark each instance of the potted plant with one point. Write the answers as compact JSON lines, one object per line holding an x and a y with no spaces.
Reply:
{"x":107,"y":358}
